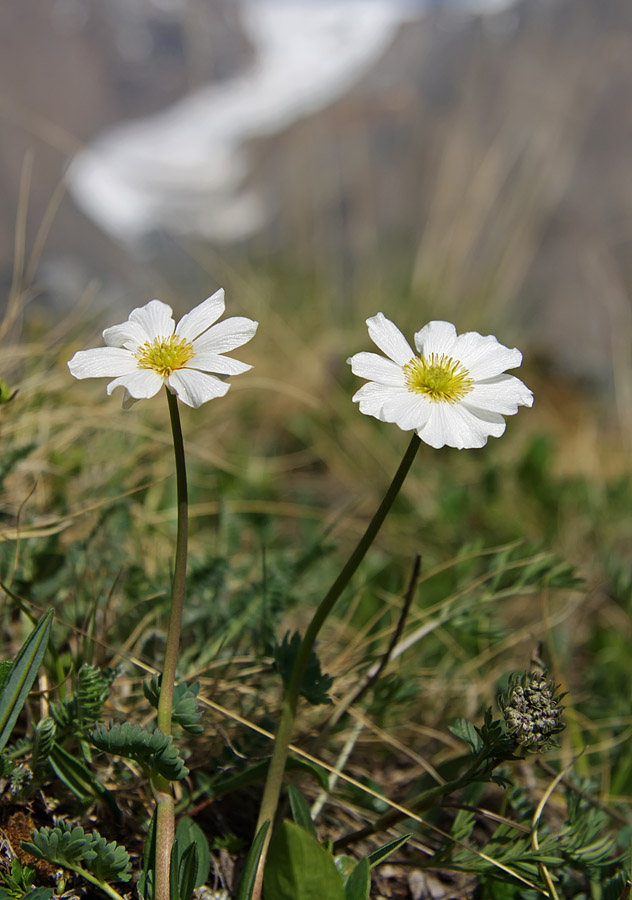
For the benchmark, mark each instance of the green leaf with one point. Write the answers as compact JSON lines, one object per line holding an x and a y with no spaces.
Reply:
{"x":111,"y":861}
{"x":185,"y":711}
{"x":378,"y":856}
{"x":189,"y":833}
{"x":358,"y":883}
{"x":22,"y":675}
{"x":315,"y":684}
{"x":73,"y":848}
{"x":63,"y":845}
{"x":43,"y":740}
{"x":298,"y":868}
{"x":5,"y":668}
{"x":146,"y":877}
{"x":247,"y":883}
{"x":152,"y":749}
{"x":76,"y":776}
{"x":182,"y":872}
{"x":37,"y":893}
{"x":300,"y":810}
{"x":467,"y":732}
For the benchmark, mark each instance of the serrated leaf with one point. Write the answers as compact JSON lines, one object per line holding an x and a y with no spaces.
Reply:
{"x":247,"y":883}
{"x":300,"y":810}
{"x":298,"y":868}
{"x":358,"y":883}
{"x":467,"y":732}
{"x":20,"y":679}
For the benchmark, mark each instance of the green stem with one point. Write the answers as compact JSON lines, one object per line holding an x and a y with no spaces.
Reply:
{"x":163,"y":793}
{"x":274,"y":779}
{"x":83,"y":873}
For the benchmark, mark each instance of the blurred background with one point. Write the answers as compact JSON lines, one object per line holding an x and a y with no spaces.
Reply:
{"x":469,"y":155}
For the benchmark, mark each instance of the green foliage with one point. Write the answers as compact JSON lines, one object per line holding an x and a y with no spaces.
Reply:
{"x":196,"y":868}
{"x":358,"y":883}
{"x":155,"y":751}
{"x":378,"y":856}
{"x":77,"y":777}
{"x":298,"y":868}
{"x":248,"y":876}
{"x":43,"y":740}
{"x":300,"y":810}
{"x":315,"y":684}
{"x":17,"y":882}
{"x":19,"y":680}
{"x":72,"y":848}
{"x":75,"y":714}
{"x":582,"y":846}
{"x":185,"y":711}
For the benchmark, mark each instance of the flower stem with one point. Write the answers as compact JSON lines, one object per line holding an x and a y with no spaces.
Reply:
{"x":161,"y":787}
{"x":274,"y":780}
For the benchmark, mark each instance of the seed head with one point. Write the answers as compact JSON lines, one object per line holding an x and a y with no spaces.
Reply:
{"x":532,"y":711}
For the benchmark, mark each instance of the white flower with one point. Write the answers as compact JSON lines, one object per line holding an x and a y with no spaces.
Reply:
{"x":454,"y":392}
{"x":150,"y":350}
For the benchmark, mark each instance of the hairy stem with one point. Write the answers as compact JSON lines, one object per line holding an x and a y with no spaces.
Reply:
{"x":162,"y":789}
{"x":274,"y":779}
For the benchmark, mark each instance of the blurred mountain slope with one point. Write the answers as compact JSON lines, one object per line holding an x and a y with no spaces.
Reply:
{"x":492,"y":156}
{"x":71,"y":68}
{"x":484,"y":160}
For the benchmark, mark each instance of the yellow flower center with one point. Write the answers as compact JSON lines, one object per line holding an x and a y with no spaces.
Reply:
{"x":165,"y":355}
{"x":438,"y":377}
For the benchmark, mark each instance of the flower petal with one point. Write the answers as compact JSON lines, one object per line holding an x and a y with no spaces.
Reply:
{"x":377,"y":368}
{"x":436,"y":337}
{"x":397,"y":405}
{"x":455,"y":426}
{"x":155,"y":318}
{"x":503,"y":394}
{"x":195,"y":388}
{"x":226,"y":335}
{"x":130,"y":335}
{"x":202,"y":316}
{"x":102,"y":362}
{"x":407,"y":410}
{"x":389,"y":339}
{"x":483,"y":356}
{"x":215,"y":362}
{"x":141,"y":384}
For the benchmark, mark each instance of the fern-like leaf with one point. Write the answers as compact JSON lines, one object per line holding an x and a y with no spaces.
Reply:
{"x":110,"y":862}
{"x":64,"y":845}
{"x":185,"y":704}
{"x":72,"y":848}
{"x":152,"y":749}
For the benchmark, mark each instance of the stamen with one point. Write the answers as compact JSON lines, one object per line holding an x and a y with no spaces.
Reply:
{"x":439,"y":377}
{"x":165,"y":355}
